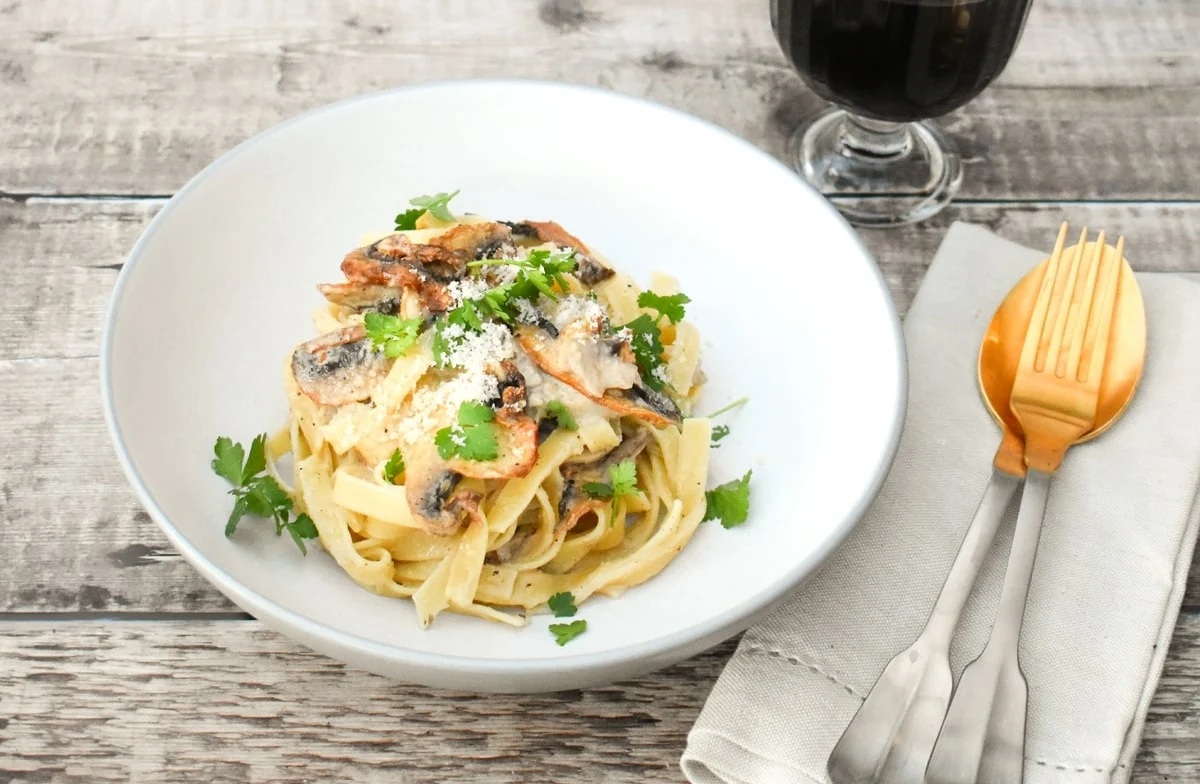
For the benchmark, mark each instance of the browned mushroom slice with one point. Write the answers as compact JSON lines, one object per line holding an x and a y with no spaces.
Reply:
{"x":475,"y":240}
{"x":589,"y":272}
{"x":516,"y":453}
{"x":601,"y":368}
{"x":339,"y":367}
{"x":431,"y":489}
{"x":396,"y":262}
{"x":575,"y":503}
{"x":362,"y":297}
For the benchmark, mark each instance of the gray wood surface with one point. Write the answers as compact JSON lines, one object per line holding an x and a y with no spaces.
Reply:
{"x":119,"y":663}
{"x":1098,"y":101}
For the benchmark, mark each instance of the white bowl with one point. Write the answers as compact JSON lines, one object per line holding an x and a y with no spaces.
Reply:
{"x":793,"y":310}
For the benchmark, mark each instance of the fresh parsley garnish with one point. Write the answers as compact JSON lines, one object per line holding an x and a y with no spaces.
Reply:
{"x":437,"y":205}
{"x":719,"y":432}
{"x":730,"y":502}
{"x":562,"y":604}
{"x":565,"y":632}
{"x":669,"y":305}
{"x":598,"y":490}
{"x":394,"y":335}
{"x":473,"y":438}
{"x":646,"y":342}
{"x":562,"y":415}
{"x":257,"y":494}
{"x":537,"y":273}
{"x":466,"y":316}
{"x":407,"y":220}
{"x":394,"y":467}
{"x":622,"y":482}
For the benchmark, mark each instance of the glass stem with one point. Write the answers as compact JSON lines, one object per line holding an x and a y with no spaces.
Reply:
{"x":875,"y":138}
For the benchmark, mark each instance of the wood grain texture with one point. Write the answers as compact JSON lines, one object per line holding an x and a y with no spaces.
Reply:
{"x":109,"y":555}
{"x":126,"y":98}
{"x":232,"y":701}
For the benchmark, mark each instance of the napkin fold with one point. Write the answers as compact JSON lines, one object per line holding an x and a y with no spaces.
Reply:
{"x":1117,"y":542}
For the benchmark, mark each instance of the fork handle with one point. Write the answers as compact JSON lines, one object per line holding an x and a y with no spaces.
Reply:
{"x":1006,"y":631}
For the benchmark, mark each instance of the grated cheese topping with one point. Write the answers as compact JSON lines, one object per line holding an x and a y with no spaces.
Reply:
{"x":575,"y":308}
{"x":470,"y":356}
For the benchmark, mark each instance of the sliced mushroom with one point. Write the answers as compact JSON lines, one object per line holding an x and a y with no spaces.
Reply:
{"x":475,"y":240}
{"x":599,"y":367}
{"x":589,"y":272}
{"x":339,"y":367}
{"x":431,"y":489}
{"x":363,"y":297}
{"x":396,"y":262}
{"x":575,"y":503}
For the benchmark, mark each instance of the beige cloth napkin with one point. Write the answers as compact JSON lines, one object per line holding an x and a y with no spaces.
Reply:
{"x":1119,"y":533}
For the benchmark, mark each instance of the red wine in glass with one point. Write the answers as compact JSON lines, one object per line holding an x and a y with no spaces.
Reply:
{"x":890,"y":65}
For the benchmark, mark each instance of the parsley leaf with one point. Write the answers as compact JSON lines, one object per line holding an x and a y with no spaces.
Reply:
{"x":473,"y":438}
{"x":436,"y":205}
{"x":562,"y":415}
{"x":669,"y":305}
{"x":394,"y":467}
{"x":562,"y":604}
{"x":240,"y":510}
{"x":228,"y":461}
{"x":302,"y":528}
{"x":466,"y":316}
{"x":623,"y":478}
{"x":646,"y":343}
{"x":256,"y":493}
{"x":598,"y":489}
{"x":393,"y":334}
{"x":565,"y":632}
{"x":472,"y":412}
{"x":407,"y":220}
{"x":730,"y":502}
{"x":719,"y":432}
{"x":537,"y":273}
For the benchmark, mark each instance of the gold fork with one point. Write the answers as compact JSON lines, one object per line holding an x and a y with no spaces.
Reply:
{"x":1055,"y":398}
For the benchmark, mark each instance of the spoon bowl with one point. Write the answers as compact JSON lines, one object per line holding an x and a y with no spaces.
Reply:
{"x":1000,"y":353}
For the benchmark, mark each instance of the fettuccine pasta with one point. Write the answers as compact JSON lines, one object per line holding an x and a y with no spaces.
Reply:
{"x":492,"y":415}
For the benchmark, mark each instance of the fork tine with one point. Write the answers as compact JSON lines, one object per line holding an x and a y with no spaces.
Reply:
{"x":1037,"y":321}
{"x":1063,"y":302}
{"x":1106,"y":301}
{"x":1068,"y":361}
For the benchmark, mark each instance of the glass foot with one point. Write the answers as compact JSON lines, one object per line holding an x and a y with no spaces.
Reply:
{"x":878,"y":173}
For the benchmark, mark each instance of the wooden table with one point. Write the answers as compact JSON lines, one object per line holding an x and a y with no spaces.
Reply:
{"x":118,"y":662}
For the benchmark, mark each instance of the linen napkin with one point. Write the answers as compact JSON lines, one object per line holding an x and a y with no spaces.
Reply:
{"x":1118,"y":537}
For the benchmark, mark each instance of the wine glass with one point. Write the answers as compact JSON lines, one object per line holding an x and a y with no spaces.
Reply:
{"x":890,"y":65}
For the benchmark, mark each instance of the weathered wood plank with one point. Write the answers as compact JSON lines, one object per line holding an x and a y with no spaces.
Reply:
{"x":1098,"y":102}
{"x":232,"y":701}
{"x":59,"y":259}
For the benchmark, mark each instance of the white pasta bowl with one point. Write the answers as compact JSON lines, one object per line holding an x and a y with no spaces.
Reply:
{"x":793,"y":311}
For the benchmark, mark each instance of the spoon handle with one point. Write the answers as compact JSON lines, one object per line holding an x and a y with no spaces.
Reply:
{"x":983,"y":738}
{"x":971,"y":553}
{"x":892,"y":734}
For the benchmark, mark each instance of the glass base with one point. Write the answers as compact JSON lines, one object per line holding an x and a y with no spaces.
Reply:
{"x":878,"y":173}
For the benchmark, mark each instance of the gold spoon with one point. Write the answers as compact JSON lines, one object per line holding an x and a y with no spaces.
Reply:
{"x":1001,"y":353}
{"x":893,"y":734}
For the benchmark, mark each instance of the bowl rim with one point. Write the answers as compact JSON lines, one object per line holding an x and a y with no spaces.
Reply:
{"x":283,"y":618}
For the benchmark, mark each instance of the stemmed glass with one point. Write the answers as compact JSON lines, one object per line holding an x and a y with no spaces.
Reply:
{"x":890,"y":65}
